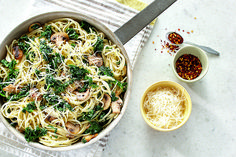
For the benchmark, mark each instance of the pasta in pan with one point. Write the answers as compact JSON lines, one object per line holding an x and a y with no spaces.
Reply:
{"x":62,"y":82}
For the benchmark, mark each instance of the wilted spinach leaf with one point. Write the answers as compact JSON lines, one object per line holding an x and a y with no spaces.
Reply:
{"x":98,"y":46}
{"x":72,"y":33}
{"x":33,"y":135}
{"x":47,"y":33}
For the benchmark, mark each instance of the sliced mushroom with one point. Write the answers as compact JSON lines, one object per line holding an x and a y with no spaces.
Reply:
{"x":74,"y":86}
{"x":72,"y":128}
{"x":17,"y":52}
{"x":89,"y":137}
{"x":82,"y":96}
{"x":115,"y":106}
{"x":35,"y":95}
{"x":59,"y":38}
{"x":11,"y":89}
{"x":50,"y":118}
{"x":107,"y":101}
{"x":34,"y":26}
{"x":95,"y":60}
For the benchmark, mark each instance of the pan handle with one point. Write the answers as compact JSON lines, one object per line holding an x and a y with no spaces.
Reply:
{"x":142,"y":19}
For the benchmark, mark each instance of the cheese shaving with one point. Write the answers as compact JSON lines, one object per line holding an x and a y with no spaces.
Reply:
{"x":165,"y":107}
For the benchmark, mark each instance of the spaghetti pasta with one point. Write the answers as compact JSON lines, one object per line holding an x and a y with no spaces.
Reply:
{"x":56,"y":79}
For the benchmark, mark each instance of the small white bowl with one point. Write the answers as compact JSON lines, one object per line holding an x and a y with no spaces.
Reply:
{"x":196,"y":52}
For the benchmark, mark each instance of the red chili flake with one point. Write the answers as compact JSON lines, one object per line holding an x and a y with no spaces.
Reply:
{"x":183,"y":30}
{"x":175,"y":38}
{"x":188,"y":32}
{"x":188,"y":66}
{"x":178,"y":29}
{"x":171,"y":48}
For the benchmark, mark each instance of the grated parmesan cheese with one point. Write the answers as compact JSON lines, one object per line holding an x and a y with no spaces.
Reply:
{"x":165,"y":107}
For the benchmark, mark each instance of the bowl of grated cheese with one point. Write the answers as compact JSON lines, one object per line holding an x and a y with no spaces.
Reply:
{"x":166,"y":106}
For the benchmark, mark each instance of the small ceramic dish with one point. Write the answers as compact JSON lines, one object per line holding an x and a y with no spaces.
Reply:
{"x":195,"y":51}
{"x":167,"y":84}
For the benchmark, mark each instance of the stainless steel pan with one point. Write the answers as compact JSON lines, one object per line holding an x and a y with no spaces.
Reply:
{"x":119,"y":37}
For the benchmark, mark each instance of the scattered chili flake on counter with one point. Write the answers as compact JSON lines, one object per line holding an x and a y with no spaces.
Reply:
{"x":170,"y":48}
{"x":175,"y":38}
{"x":188,"y":66}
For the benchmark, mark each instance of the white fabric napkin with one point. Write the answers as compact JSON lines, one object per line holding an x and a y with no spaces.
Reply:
{"x":113,"y":15}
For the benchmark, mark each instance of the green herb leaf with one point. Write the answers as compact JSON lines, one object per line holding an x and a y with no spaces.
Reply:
{"x":47,"y":33}
{"x":53,"y":59}
{"x":86,"y":26}
{"x":98,"y":46}
{"x":42,"y":107}
{"x":23,"y":45}
{"x":11,"y":65}
{"x":58,"y":86}
{"x":113,"y":97}
{"x":73,"y":45}
{"x":30,"y":107}
{"x":35,"y":26}
{"x":72,"y":33}
{"x":77,"y":72}
{"x":87,"y":116}
{"x":33,"y":135}
{"x":45,"y":50}
{"x":94,"y":128}
{"x":59,"y":104}
{"x":90,"y":82}
{"x":105,"y":71}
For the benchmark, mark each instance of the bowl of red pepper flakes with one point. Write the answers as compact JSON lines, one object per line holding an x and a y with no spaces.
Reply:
{"x":190,"y":64}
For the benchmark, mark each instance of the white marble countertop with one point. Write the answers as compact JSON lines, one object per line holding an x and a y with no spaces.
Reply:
{"x":210,"y":131}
